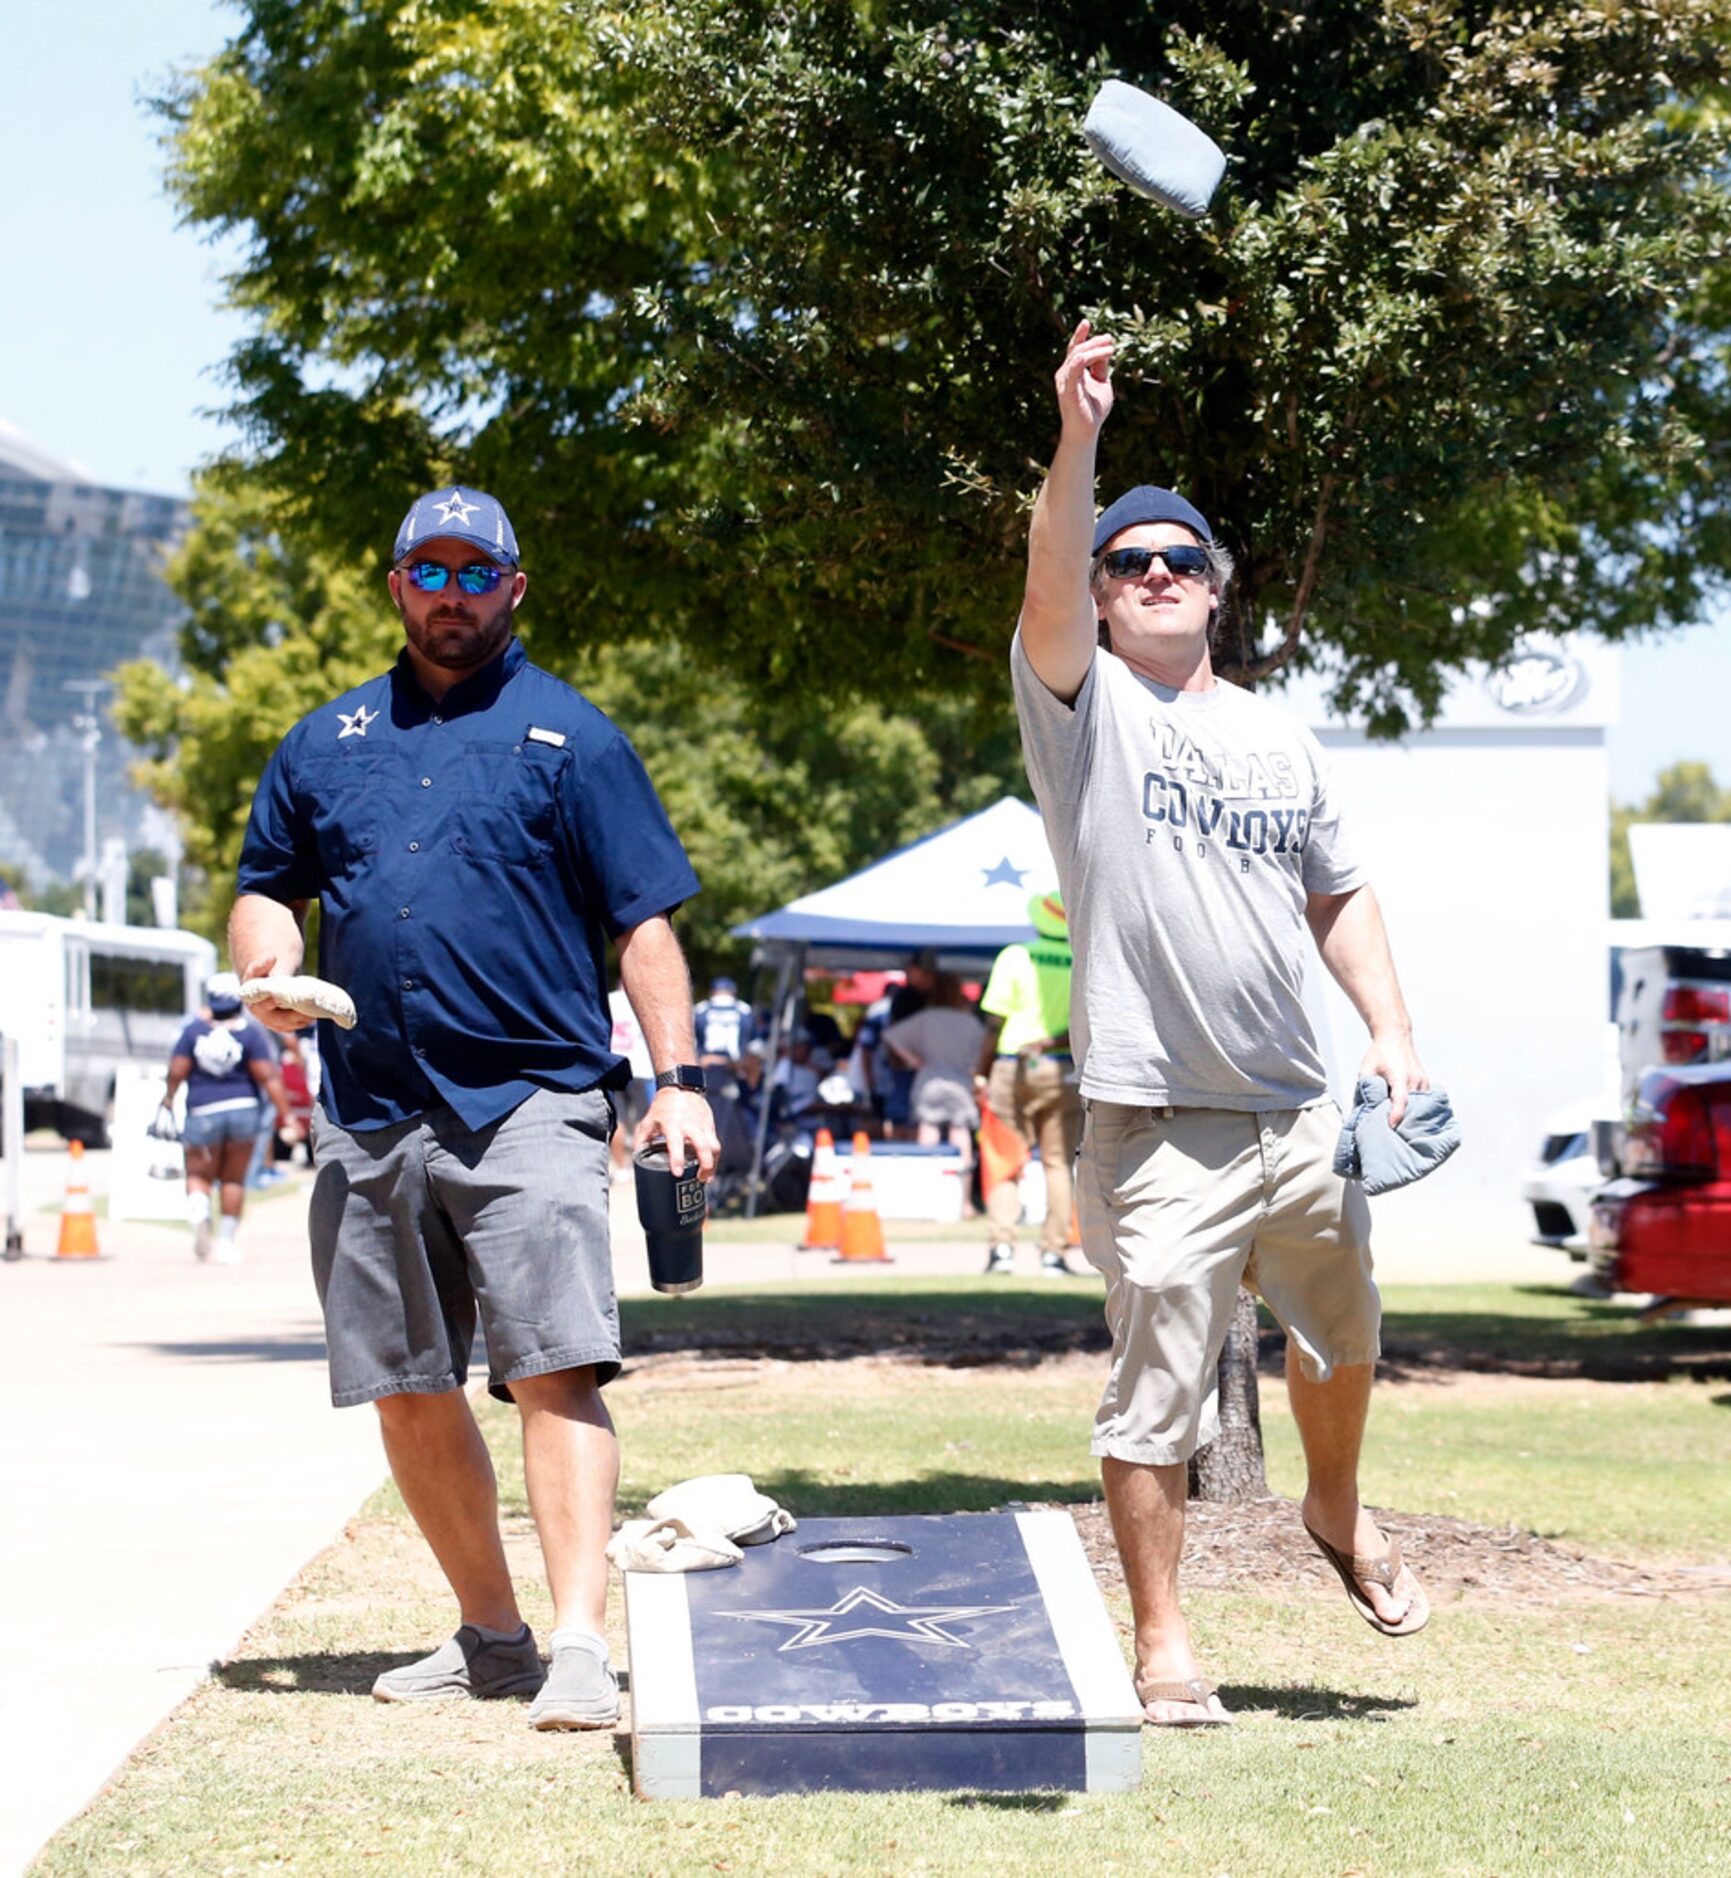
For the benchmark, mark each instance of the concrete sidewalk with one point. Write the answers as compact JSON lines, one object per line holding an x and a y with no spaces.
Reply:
{"x":171,"y":1459}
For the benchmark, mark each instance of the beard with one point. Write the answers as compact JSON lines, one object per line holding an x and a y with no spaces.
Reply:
{"x":461,"y":632}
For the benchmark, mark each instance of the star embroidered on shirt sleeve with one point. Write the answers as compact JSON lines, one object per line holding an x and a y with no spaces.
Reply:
{"x":355,"y":722}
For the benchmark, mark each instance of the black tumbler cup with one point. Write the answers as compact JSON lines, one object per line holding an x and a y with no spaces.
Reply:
{"x":671,"y":1207}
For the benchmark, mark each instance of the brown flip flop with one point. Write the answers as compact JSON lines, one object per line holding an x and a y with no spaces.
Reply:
{"x":1356,"y":1571}
{"x":1192,"y":1694}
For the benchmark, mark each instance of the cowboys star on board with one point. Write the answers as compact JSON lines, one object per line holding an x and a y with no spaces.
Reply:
{"x":903,"y":1623}
{"x":355,"y":722}
{"x":455,"y":509}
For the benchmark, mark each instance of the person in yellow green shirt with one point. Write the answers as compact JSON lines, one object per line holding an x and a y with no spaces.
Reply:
{"x":1028,"y":1079}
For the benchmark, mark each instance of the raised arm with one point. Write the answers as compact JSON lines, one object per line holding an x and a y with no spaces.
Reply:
{"x":1059,"y":623}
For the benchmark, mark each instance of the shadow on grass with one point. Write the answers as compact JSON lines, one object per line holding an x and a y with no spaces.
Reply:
{"x":1045,"y":1802}
{"x":1535,"y":1330}
{"x":337,"y":1672}
{"x":820,"y":1498}
{"x":1306,"y":1702}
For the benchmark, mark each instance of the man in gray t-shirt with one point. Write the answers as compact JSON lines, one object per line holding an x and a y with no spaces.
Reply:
{"x":1201,"y":852}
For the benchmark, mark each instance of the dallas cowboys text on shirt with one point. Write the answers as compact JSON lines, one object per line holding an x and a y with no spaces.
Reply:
{"x":1187,"y":801}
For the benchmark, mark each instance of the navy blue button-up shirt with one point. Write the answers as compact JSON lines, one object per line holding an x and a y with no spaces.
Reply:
{"x":471,"y":858}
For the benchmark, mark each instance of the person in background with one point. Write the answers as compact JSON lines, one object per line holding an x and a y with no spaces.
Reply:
{"x":723,"y":1023}
{"x":1027,"y":1077}
{"x":229,"y":1071}
{"x":906,"y":1001}
{"x":941,"y":1044}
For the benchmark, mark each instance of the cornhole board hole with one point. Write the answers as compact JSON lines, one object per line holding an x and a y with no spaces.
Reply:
{"x":961,"y":1650}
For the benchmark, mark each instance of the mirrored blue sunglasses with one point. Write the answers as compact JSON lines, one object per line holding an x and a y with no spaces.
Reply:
{"x":477,"y":577}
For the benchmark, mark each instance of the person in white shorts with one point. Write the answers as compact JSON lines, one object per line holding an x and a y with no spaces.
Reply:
{"x":1200,"y":849}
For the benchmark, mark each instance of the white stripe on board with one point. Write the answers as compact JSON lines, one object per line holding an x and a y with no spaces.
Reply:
{"x":1086,"y":1640}
{"x":666,"y":1741}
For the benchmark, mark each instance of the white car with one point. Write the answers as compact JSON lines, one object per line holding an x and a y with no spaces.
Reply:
{"x":1560,"y":1188}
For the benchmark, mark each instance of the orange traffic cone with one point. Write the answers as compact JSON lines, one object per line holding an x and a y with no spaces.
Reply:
{"x":823,"y":1205}
{"x":77,"y":1217}
{"x":862,"y":1232}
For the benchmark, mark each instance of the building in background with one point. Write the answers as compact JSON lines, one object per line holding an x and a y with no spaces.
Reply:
{"x":1487,"y":839}
{"x":81,"y":590}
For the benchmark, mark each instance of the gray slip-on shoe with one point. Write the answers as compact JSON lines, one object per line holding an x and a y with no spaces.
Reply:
{"x":468,"y":1664}
{"x":581,"y":1691}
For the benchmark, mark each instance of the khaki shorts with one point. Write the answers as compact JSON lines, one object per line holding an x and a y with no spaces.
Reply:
{"x":1181,"y":1206}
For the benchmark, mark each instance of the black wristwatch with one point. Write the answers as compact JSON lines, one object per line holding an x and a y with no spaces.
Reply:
{"x":683,"y":1076}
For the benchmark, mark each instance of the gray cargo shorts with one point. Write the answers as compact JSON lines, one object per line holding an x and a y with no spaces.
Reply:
{"x":419,"y":1228}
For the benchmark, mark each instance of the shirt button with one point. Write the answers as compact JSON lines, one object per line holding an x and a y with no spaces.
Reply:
{"x":426,"y":782}
{"x":414,"y":847}
{"x":438,"y":720}
{"x":404,"y":914}
{"x":408,"y":984}
{"x":419,"y":1051}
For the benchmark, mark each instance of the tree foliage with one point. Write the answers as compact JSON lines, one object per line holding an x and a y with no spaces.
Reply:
{"x":1684,"y":792}
{"x":770,"y":800}
{"x":748,"y":310}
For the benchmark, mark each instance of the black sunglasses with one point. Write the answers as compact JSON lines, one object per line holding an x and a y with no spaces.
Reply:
{"x":1133,"y":563}
{"x":477,"y":577}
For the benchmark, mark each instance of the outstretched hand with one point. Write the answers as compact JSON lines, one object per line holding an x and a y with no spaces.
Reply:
{"x":1084,"y":381}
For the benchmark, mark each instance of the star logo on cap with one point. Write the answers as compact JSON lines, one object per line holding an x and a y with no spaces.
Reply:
{"x":880,"y":1617}
{"x":455,"y":509}
{"x":355,"y":723}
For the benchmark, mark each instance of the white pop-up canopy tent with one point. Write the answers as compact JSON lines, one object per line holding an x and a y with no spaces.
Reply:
{"x":961,"y":894}
{"x":963,"y":890}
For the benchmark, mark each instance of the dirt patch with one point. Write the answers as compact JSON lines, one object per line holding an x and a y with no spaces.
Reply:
{"x":1264,"y":1542}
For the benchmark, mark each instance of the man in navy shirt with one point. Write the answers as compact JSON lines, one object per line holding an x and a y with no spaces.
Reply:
{"x":475,"y":833}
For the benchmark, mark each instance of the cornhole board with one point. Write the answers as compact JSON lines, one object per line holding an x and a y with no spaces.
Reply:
{"x":961,"y":1650}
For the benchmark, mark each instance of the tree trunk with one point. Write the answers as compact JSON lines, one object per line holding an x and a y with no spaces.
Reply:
{"x":1230,"y":1466}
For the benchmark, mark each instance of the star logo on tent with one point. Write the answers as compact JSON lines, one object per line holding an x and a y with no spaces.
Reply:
{"x":878,"y":1617}
{"x":455,"y":509}
{"x":355,"y":723}
{"x":1004,"y":875}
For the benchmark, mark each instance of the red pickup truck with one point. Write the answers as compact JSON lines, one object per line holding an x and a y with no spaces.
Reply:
{"x":1663,"y":1224}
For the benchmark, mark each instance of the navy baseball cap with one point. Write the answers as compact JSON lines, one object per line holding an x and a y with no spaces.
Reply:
{"x":222,"y":994}
{"x":1149,"y":503}
{"x":459,"y":514}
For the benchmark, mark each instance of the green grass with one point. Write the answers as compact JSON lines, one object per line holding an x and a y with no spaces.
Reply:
{"x":1588,"y":1735}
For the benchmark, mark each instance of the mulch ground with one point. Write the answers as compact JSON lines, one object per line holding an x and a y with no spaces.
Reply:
{"x":1263,"y":1541}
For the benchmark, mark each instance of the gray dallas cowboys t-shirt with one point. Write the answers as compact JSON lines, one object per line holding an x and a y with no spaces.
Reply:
{"x":1187,"y":828}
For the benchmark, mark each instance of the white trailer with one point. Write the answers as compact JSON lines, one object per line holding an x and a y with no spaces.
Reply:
{"x":80,"y":998}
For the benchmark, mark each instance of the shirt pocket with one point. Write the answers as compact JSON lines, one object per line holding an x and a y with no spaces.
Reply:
{"x":344,"y":810}
{"x":507,"y":814}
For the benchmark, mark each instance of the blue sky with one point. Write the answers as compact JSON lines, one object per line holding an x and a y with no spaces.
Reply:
{"x":111,"y":334}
